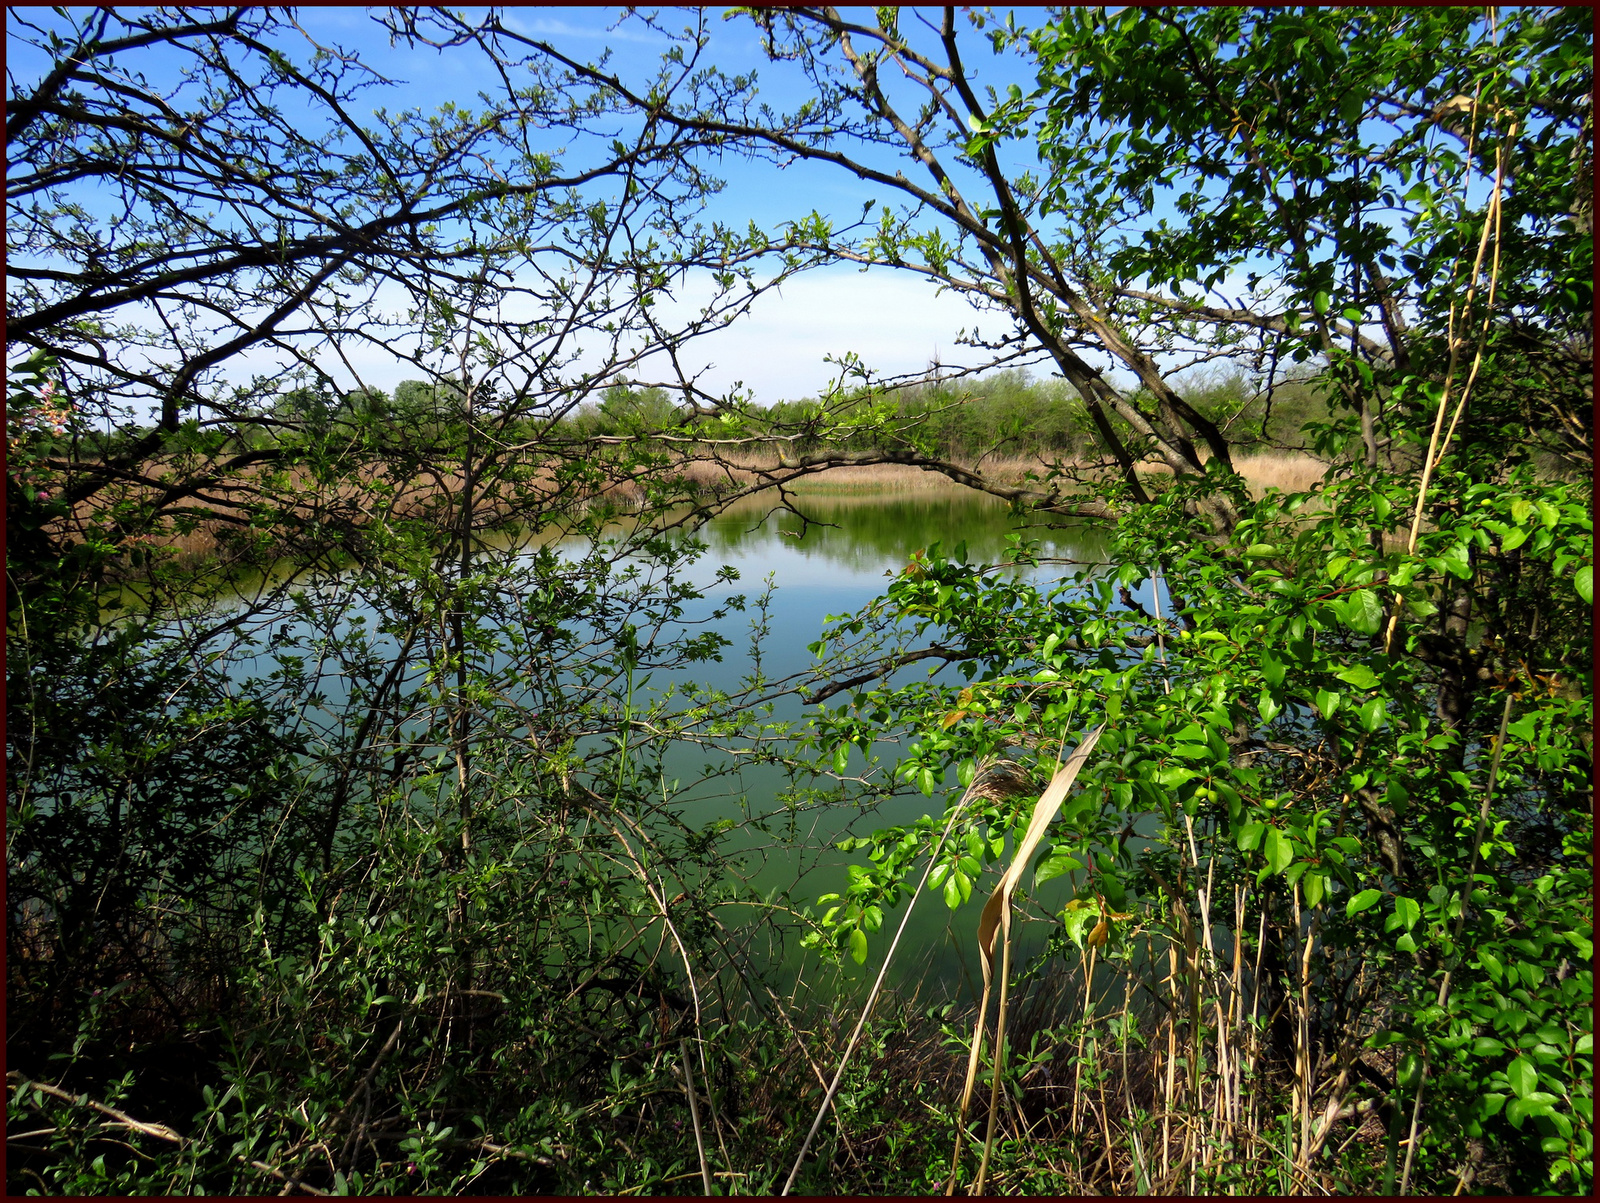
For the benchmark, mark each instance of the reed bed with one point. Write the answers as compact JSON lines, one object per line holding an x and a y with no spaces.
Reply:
{"x":1152,"y":1065}
{"x":1187,"y":1048}
{"x":1288,"y":473}
{"x":205,"y":536}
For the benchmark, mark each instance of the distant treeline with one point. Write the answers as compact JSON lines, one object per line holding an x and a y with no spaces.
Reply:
{"x":1009,"y":413}
{"x":1006,"y":413}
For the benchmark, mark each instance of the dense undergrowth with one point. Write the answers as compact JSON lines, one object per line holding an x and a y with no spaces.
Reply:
{"x":368,"y":864}
{"x":260,"y":936}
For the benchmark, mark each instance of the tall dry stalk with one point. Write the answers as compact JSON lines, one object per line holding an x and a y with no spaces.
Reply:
{"x":1436,"y":448}
{"x":694,"y":1113}
{"x":999,"y":1051}
{"x":1491,"y":222}
{"x":996,"y":918}
{"x":872,"y":997}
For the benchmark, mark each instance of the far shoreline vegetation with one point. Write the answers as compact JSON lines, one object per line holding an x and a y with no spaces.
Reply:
{"x":1011,"y":427}
{"x":391,"y":776}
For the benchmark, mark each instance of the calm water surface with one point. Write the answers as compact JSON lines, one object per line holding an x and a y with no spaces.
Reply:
{"x":833,"y":564}
{"x":833,"y":561}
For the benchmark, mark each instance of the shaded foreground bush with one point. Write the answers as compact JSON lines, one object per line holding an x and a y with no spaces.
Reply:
{"x":377,"y":880}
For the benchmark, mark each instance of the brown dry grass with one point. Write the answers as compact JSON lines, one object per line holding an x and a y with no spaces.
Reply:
{"x":1290,"y":473}
{"x":419,"y":497}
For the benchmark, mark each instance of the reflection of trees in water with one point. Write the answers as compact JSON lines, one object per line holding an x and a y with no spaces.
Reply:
{"x":871,"y":529}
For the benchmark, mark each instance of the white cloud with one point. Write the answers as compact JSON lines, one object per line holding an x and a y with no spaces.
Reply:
{"x":894,"y":322}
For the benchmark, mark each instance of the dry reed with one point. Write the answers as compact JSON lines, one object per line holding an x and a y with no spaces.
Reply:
{"x":997,"y":915}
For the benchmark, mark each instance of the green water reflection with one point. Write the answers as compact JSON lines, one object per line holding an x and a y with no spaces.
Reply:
{"x":877,"y":532}
{"x":831,"y":558}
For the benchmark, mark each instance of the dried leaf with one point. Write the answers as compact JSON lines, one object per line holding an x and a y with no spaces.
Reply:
{"x":997,"y":910}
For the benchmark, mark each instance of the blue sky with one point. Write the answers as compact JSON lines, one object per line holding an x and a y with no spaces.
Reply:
{"x":896,"y":323}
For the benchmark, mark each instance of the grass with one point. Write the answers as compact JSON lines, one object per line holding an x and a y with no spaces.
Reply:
{"x":1149,"y":1064}
{"x":211,"y":536}
{"x":1287,"y":472}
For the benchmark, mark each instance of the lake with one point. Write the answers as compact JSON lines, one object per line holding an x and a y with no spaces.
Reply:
{"x":832,"y":561}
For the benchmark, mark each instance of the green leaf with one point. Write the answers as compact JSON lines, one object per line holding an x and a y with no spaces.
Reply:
{"x":1279,"y":851}
{"x":1249,"y":837}
{"x":1363,"y":614}
{"x":841,"y":758}
{"x":1487,"y":1046}
{"x":1372,"y":714}
{"x":1407,"y":911}
{"x":858,"y":946}
{"x":1114,"y":891}
{"x":963,"y":883}
{"x":1327,"y":702}
{"x":1457,"y":562}
{"x":1056,"y":864}
{"x":1271,"y":669}
{"x":1583,"y":582}
{"x":1563,"y":1125}
{"x":1523,"y":1076}
{"x":1408,"y":1074}
{"x":1517,"y":1111}
{"x":1363,"y":901}
{"x":1314,"y":884}
{"x":1359,"y":676}
{"x":1075,"y":919}
{"x":1524,"y":728}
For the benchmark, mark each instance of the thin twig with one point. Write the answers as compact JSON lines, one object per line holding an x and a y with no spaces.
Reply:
{"x":999,"y":1050}
{"x":122,"y":1119}
{"x":833,"y":1086}
{"x":694,"y":1113}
